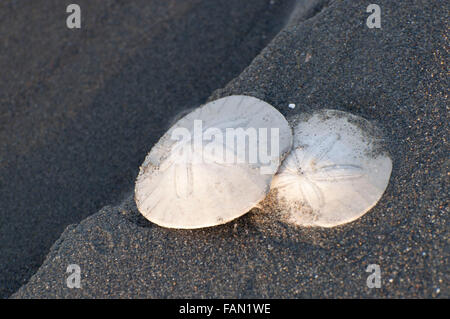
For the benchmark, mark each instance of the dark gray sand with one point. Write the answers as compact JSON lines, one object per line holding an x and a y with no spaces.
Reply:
{"x":79,"y":109}
{"x":395,"y":76}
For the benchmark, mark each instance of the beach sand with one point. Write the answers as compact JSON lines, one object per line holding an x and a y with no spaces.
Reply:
{"x":79,"y":109}
{"x":326,"y":57}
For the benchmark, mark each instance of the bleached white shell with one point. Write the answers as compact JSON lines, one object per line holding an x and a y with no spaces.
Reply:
{"x":182,"y":185}
{"x":335,"y":172}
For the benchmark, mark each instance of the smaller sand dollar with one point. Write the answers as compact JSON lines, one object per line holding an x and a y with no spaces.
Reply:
{"x":214,"y":164}
{"x":337,"y":170}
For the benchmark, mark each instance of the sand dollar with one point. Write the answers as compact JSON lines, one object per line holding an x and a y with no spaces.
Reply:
{"x":214,"y":164}
{"x":337,"y":170}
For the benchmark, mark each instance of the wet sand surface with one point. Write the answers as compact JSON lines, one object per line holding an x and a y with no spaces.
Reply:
{"x":79,"y":109}
{"x":395,"y":77}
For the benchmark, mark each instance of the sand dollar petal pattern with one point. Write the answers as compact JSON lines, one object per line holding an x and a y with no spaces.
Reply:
{"x":336,"y":171}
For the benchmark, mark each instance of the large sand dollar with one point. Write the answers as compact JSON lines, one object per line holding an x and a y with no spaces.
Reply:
{"x":336,"y":171}
{"x":214,"y":164}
